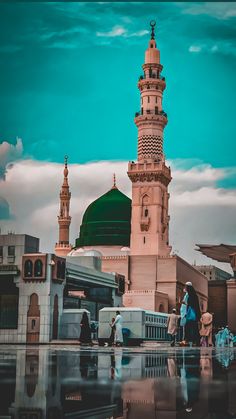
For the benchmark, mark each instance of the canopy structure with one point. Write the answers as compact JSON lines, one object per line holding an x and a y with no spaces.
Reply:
{"x":220,"y":252}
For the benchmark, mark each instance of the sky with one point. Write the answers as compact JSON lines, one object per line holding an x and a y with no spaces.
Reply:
{"x":68,"y":85}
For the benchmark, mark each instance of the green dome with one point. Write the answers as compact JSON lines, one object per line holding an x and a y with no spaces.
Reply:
{"x":106,"y":221}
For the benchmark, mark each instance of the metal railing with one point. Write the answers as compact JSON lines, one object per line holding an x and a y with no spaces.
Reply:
{"x":152,"y":76}
{"x":151,"y":112}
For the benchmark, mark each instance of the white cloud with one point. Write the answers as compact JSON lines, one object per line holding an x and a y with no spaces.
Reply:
{"x":200,"y":211}
{"x":139,"y":33}
{"x":121,"y":31}
{"x":116,"y":31}
{"x":9,"y":153}
{"x":195,"y":48}
{"x":220,"y":10}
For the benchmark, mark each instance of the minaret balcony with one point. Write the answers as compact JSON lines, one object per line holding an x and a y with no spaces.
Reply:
{"x":151,"y":76}
{"x":149,"y":171}
{"x":152,"y":83}
{"x":148,"y":116}
{"x":150,"y":112}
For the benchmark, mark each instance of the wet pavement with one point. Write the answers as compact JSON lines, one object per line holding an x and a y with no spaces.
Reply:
{"x":163,"y":383}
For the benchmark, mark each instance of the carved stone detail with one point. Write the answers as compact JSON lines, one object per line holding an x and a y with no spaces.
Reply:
{"x":149,"y":177}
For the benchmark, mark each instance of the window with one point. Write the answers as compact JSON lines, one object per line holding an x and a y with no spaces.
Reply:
{"x":28,"y":268}
{"x":156,"y":99}
{"x":144,"y":240}
{"x":146,"y":212}
{"x":11,"y":250}
{"x":38,"y":268}
{"x":61,"y":268}
{"x":1,"y":251}
{"x":148,"y":99}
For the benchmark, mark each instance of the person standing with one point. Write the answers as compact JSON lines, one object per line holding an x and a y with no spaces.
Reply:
{"x":112,"y":335}
{"x":118,"y":329}
{"x":85,"y":334}
{"x":172,"y":326}
{"x":183,"y":312}
{"x":193,"y":316}
{"x":206,"y":327}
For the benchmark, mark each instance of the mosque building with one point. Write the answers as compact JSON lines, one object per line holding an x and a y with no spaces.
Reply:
{"x":132,"y":236}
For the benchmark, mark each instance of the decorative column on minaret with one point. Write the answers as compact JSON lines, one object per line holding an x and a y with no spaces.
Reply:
{"x":149,"y":175}
{"x":63,"y":247}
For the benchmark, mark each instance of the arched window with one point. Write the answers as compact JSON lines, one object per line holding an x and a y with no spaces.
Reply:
{"x":146,"y":212}
{"x":28,"y":268}
{"x":38,"y":268}
{"x":145,"y":200}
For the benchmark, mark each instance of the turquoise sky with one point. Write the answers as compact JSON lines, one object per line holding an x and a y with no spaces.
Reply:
{"x":69,"y":76}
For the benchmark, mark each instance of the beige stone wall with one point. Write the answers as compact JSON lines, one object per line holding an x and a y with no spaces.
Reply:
{"x":166,"y":275}
{"x":231,"y":297}
{"x":146,"y":299}
{"x":119,"y":264}
{"x":166,"y":279}
{"x":186,"y":272}
{"x":143,"y":272}
{"x":217,"y":302}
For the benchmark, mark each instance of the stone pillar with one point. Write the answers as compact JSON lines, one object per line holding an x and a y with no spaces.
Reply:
{"x":231,"y":298}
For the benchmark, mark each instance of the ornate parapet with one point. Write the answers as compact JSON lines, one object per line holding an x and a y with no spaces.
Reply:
{"x":149,"y":172}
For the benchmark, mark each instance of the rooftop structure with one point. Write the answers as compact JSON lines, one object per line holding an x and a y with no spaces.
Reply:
{"x":213,"y":273}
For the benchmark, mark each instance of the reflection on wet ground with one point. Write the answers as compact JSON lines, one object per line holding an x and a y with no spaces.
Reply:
{"x":163,"y":383}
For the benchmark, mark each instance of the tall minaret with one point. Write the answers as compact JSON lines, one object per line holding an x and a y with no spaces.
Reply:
{"x":149,"y":175}
{"x":63,"y":247}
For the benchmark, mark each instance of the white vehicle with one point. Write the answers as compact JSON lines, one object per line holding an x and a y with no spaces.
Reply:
{"x":138,"y":325}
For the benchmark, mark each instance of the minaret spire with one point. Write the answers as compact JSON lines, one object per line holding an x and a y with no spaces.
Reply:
{"x":63,"y":247}
{"x":114,"y":181}
{"x":153,"y":24}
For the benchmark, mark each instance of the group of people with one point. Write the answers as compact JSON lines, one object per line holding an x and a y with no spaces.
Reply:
{"x":116,"y":336}
{"x":189,"y":319}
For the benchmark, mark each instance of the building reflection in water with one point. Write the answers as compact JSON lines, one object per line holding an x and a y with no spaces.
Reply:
{"x":41,"y":383}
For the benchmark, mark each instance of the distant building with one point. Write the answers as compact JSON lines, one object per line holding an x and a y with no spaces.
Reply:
{"x":13,"y":246}
{"x":222,"y":294}
{"x":213,"y":273}
{"x":217,"y":292}
{"x":12,"y":249}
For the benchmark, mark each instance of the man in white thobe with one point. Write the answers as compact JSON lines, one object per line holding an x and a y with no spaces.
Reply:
{"x":118,"y":331}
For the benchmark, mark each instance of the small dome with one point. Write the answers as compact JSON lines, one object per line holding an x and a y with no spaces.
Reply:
{"x":94,"y":253}
{"x":106,"y":221}
{"x":76,"y":252}
{"x":125,"y":249}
